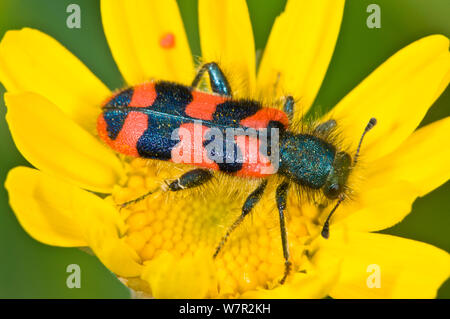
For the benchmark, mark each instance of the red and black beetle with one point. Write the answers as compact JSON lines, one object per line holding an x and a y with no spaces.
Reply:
{"x":151,"y":121}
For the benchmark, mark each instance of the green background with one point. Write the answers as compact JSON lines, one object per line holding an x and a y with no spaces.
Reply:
{"x":29,"y":269}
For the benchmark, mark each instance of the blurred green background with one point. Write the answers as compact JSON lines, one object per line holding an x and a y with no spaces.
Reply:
{"x":29,"y":269}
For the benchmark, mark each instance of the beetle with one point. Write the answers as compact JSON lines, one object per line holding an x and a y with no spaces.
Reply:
{"x":141,"y":121}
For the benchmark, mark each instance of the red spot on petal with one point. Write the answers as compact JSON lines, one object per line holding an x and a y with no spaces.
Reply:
{"x":167,"y":41}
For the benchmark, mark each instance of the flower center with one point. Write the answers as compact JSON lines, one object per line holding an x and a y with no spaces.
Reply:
{"x":187,"y":221}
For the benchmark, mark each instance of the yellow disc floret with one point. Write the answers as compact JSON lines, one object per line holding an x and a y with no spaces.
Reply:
{"x":184,"y":223}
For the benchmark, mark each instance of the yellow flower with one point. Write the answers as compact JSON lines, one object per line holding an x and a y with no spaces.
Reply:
{"x":163,"y":246}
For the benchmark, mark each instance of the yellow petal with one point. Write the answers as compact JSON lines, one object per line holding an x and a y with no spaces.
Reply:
{"x":407,"y":268}
{"x":36,"y":211}
{"x":180,"y":278}
{"x":113,"y":252}
{"x":226,"y":37}
{"x":397,"y":94}
{"x":394,"y":181}
{"x":316,"y":283}
{"x":147,"y":40}
{"x":60,"y":214}
{"x":421,"y":160}
{"x":299,"y":50}
{"x":52,"y":142}
{"x":33,"y":61}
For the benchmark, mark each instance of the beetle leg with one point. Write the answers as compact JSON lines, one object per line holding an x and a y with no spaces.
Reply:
{"x":288,"y":107}
{"x":191,"y":179}
{"x":281,"y":195}
{"x":218,"y":80}
{"x":250,"y":202}
{"x":325,"y":128}
{"x":188,"y":180}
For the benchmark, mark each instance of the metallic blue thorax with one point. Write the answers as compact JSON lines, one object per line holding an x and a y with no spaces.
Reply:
{"x":306,"y":159}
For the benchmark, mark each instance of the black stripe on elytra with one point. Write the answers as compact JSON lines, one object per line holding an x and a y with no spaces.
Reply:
{"x":235,"y":158}
{"x":114,"y":119}
{"x":156,"y":142}
{"x":171,"y":98}
{"x":231,"y":113}
{"x":221,"y":157}
{"x":121,"y":100}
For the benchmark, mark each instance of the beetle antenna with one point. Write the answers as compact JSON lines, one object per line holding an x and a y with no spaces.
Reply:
{"x":369,"y":126}
{"x":326,"y":227}
{"x":141,"y":198}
